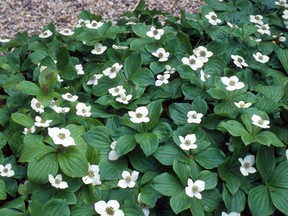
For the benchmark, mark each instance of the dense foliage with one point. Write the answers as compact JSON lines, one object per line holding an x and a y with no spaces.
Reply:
{"x":191,"y":113}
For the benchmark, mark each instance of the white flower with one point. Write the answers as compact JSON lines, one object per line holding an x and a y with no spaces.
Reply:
{"x":113,"y":155}
{"x":6,"y":171}
{"x":282,"y":38}
{"x":29,"y":130}
{"x":194,"y":188}
{"x":256,"y":19}
{"x":111,"y":208}
{"x":212,"y":18}
{"x":242,"y":104}
{"x":140,"y":115}
{"x":119,"y":47}
{"x":202,"y":54}
{"x":239,"y":61}
{"x":246,"y":165}
{"x":194,"y":117}
{"x":286,"y":154}
{"x":118,"y":90}
{"x":93,"y":176}
{"x":258,"y":121}
{"x":193,"y":62}
{"x":230,"y":214}
{"x":79,"y":69}
{"x":37,"y":106}
{"x":162,"y":79}
{"x":261,"y":58}
{"x":69,"y":97}
{"x":123,"y":98}
{"x":155,"y":33}
{"x":60,"y":109}
{"x":281,"y":3}
{"x":82,"y":22}
{"x":255,"y":39}
{"x":204,"y":76}
{"x":232,"y":83}
{"x":83,"y":110}
{"x":285,"y":14}
{"x":128,"y":179}
{"x":94,"y":79}
{"x":98,"y":49}
{"x":59,"y":79}
{"x":4,"y":40}
{"x":169,"y":70}
{"x":146,"y":210}
{"x":111,"y":72}
{"x":66,"y":32}
{"x":94,"y":24}
{"x":188,"y":142}
{"x":41,"y":122}
{"x":233,"y":25}
{"x":42,"y":68}
{"x":263,"y":29}
{"x":61,"y":136}
{"x":161,"y":54}
{"x":57,"y":182}
{"x":45,"y":34}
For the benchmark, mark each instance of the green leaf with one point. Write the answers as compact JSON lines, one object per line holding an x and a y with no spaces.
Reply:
{"x":191,"y":92}
{"x":142,"y":163}
{"x":56,"y":207}
{"x":196,"y":207}
{"x":265,"y":169}
{"x":178,"y":112}
{"x":142,"y":77}
{"x":28,"y":87}
{"x":283,"y":57}
{"x":87,"y":210}
{"x":167,"y":185}
{"x":132,"y":64}
{"x":210,"y":158}
{"x":3,"y":195}
{"x":234,"y":202}
{"x":34,"y":148}
{"x":247,"y":139}
{"x":72,"y":162}
{"x":154,"y":112}
{"x":199,"y":105}
{"x":184,"y":43}
{"x":233,"y":182}
{"x":113,"y":169}
{"x":186,"y":72}
{"x":62,"y":58}
{"x":182,"y":170}
{"x":227,"y":109}
{"x":211,"y":200}
{"x":166,"y":154}
{"x":163,"y":131}
{"x":38,"y":171}
{"x":35,"y":208}
{"x":149,"y":196}
{"x":279,"y":198}
{"x":259,"y":201}
{"x":140,"y":29}
{"x":234,"y":128}
{"x":268,"y":138}
{"x":99,"y":138}
{"x":22,"y":119}
{"x":148,"y":141}
{"x":273,"y":93}
{"x":47,"y":80}
{"x":209,"y":178}
{"x":125,"y":144}
{"x":180,"y":202}
{"x":280,"y":176}
{"x":217,"y":93}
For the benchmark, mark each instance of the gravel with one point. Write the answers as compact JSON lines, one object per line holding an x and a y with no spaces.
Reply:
{"x":32,"y":15}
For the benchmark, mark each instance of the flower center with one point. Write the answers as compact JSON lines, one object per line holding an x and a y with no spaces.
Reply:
{"x":66,"y":31}
{"x":62,"y":136}
{"x":83,"y":110}
{"x":263,"y":28}
{"x":91,"y":174}
{"x":160,"y":55}
{"x":113,"y":69}
{"x":38,"y":105}
{"x":240,"y":60}
{"x":139,"y":115}
{"x":246,"y":165}
{"x":5,"y":170}
{"x":42,"y":121}
{"x":57,"y":181}
{"x":162,"y":78}
{"x":260,"y":57}
{"x":45,"y":33}
{"x":257,"y":17}
{"x":194,"y":116}
{"x":116,"y":90}
{"x":232,"y":83}
{"x":99,"y":49}
{"x":69,"y":96}
{"x":214,"y":17}
{"x":94,"y":24}
{"x":203,"y":53}
{"x":128,"y":179}
{"x":110,"y":210}
{"x":187,"y":142}
{"x":260,"y":122}
{"x":194,"y":189}
{"x":155,"y":32}
{"x":192,"y":61}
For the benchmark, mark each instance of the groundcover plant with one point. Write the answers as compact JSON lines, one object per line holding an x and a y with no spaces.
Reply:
{"x":149,"y":115}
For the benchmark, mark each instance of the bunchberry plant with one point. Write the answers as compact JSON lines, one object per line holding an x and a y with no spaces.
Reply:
{"x":149,"y":115}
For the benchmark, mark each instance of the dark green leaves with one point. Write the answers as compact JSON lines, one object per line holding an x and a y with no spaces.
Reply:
{"x":28,"y":87}
{"x":167,"y":185}
{"x":148,"y":142}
